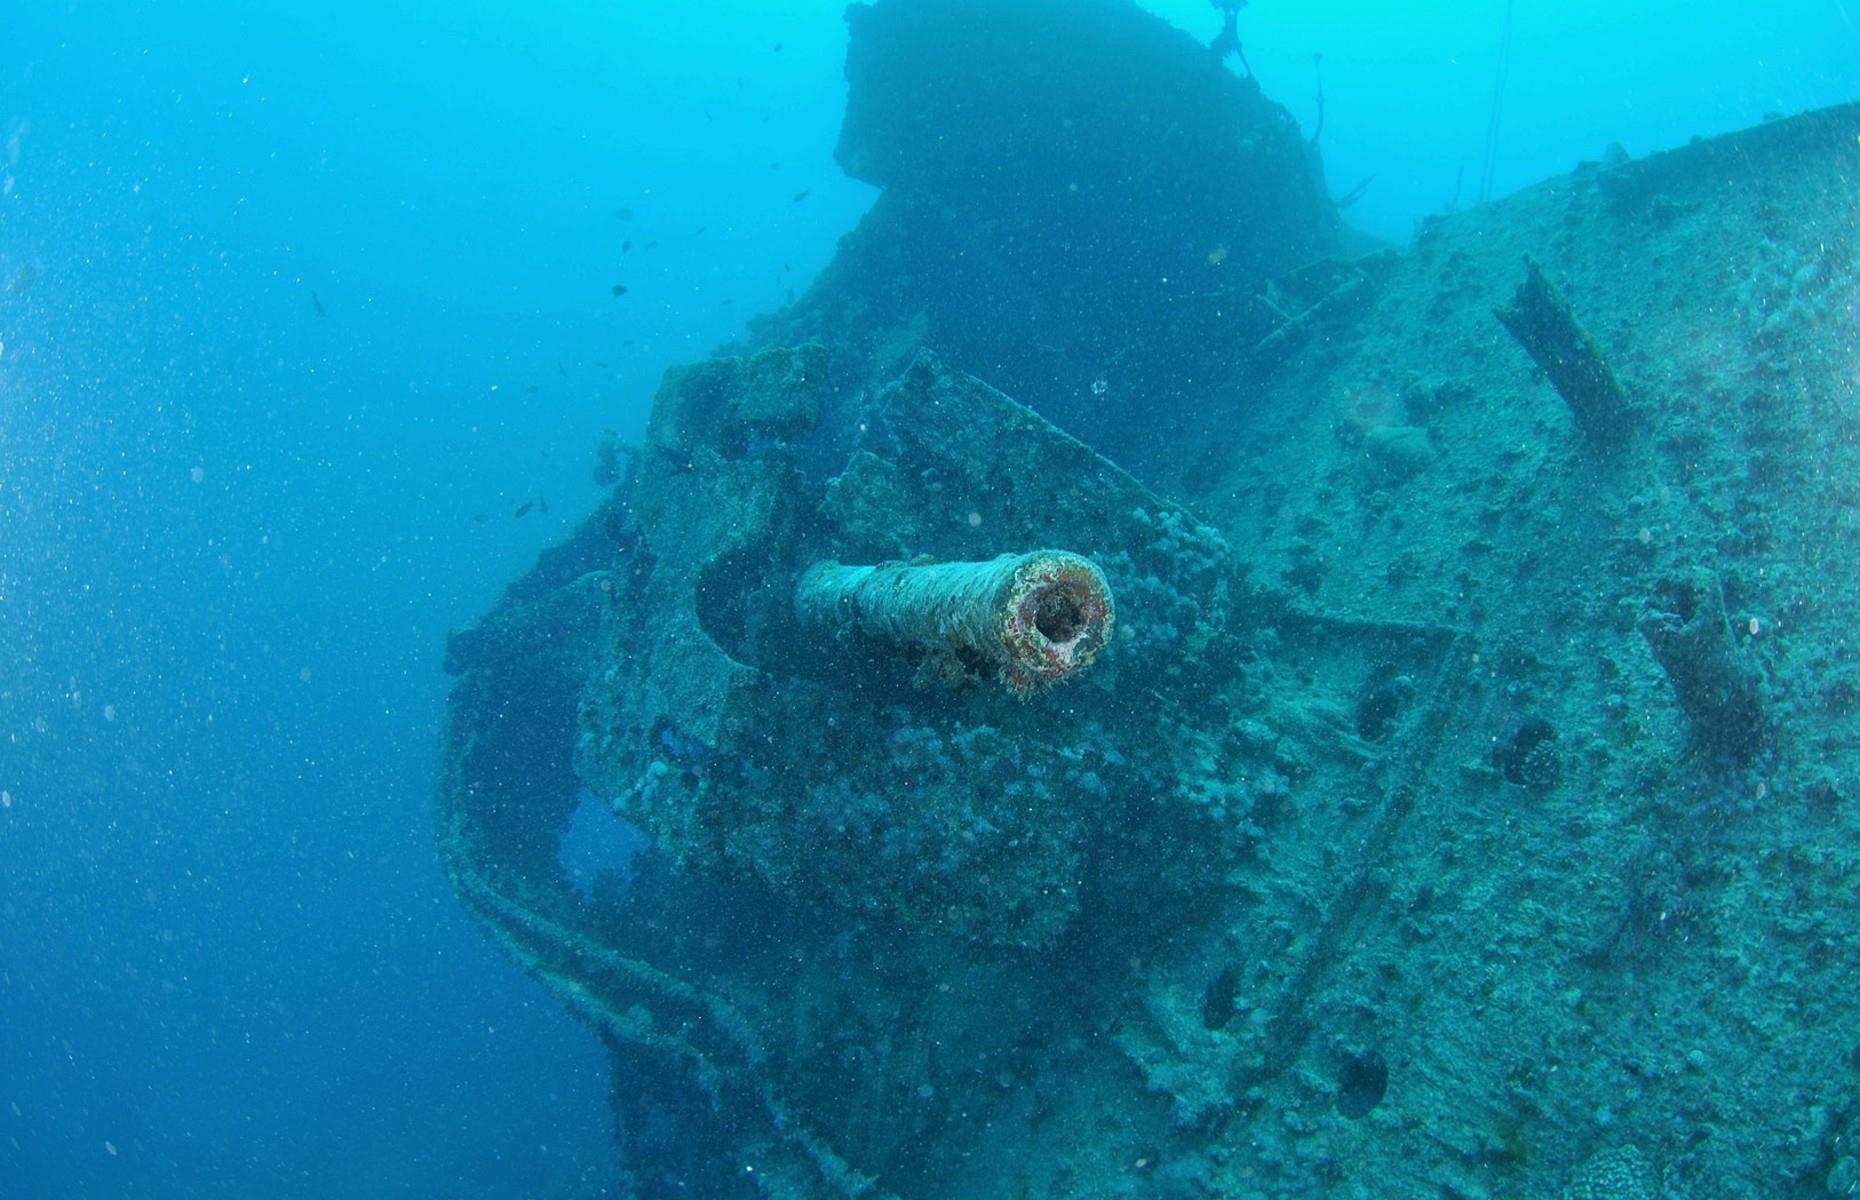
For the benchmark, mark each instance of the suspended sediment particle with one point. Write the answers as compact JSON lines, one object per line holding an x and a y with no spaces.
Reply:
{"x":1032,"y":620}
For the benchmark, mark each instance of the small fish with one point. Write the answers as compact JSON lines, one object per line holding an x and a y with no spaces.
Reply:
{"x":786,"y":267}
{"x":800,"y":196}
{"x":625,"y":246}
{"x":650,"y":245}
{"x":700,"y":231}
{"x":22,"y":278}
{"x":727,"y":302}
{"x":778,"y":47}
{"x":623,"y":214}
{"x":774,"y":166}
{"x":321,"y":312}
{"x":561,"y":370}
{"x":523,"y":509}
{"x":542,"y":502}
{"x":619,"y":289}
{"x":532,"y":389}
{"x":480,"y":518}
{"x":1354,"y":194}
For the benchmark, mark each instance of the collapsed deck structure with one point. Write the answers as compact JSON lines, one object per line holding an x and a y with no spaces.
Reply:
{"x":1462,"y":802}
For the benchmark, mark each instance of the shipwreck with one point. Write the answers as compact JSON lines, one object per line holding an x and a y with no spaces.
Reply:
{"x":1400,"y":738}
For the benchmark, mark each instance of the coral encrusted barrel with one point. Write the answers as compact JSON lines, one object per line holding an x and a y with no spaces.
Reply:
{"x":1033,"y":619}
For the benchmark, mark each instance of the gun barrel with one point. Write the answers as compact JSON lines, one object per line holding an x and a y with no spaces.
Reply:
{"x":1032,"y":619}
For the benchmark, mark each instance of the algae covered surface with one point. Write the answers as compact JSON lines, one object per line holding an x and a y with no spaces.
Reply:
{"x":1466,"y":801}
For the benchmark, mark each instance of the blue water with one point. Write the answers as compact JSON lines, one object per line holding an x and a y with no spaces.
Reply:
{"x":300,"y":307}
